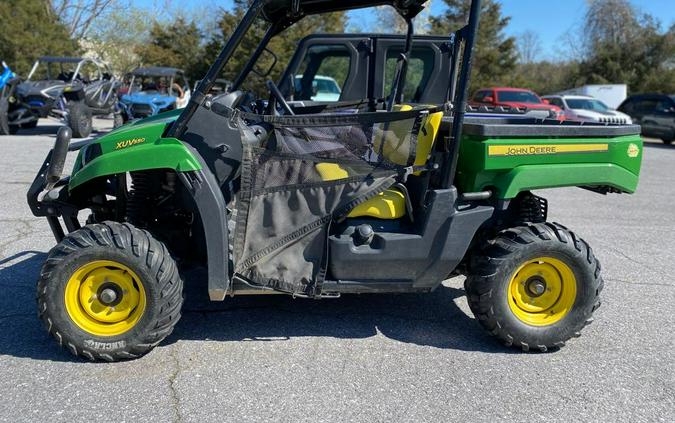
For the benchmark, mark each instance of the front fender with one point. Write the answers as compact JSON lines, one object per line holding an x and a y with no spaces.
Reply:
{"x":132,"y":148}
{"x":164,"y":153}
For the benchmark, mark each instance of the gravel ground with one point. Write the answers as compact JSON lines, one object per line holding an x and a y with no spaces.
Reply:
{"x":361,"y":358}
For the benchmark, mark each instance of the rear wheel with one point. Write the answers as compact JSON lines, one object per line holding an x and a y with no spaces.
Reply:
{"x":535,"y":287}
{"x":109,"y":292}
{"x":80,"y":119}
{"x":118,"y":120}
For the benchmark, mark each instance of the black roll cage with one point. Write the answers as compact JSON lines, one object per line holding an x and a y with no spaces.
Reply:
{"x":283,"y":14}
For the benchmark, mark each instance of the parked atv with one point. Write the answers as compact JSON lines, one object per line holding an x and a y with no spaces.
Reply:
{"x":7,"y":83}
{"x":154,"y":90}
{"x":67,"y":88}
{"x":317,"y":199}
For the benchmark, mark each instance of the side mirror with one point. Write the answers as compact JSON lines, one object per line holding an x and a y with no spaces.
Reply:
{"x":488,"y":99}
{"x":546,"y":101}
{"x":271,"y":57}
{"x":315,"y":90}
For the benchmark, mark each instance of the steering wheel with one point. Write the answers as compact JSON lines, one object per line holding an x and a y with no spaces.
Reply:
{"x":277,"y":97}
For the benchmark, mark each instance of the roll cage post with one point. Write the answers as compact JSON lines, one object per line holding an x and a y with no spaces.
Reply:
{"x":398,"y":85}
{"x":458,"y":90}
{"x":179,"y":127}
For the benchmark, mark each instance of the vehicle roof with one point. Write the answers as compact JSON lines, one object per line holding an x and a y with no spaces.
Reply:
{"x":361,"y":35}
{"x":506,"y":89}
{"x":571,"y":97}
{"x":282,"y":10}
{"x":56,"y":59}
{"x":322,"y":77}
{"x":650,"y":95}
{"x":156,"y":71}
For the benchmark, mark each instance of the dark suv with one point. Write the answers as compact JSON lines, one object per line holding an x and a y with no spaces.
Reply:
{"x":655,"y":112}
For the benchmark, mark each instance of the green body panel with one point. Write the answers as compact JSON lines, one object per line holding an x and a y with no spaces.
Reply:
{"x":484,"y":162}
{"x":133,"y":147}
{"x":512,"y":165}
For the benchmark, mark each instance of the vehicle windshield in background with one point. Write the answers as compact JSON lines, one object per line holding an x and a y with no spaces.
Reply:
{"x":50,"y":71}
{"x":518,"y":97}
{"x":149,"y":85}
{"x":587,"y":104}
{"x":324,"y":88}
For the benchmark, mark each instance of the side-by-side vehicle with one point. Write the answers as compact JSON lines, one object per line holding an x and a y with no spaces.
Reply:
{"x":393,"y":190}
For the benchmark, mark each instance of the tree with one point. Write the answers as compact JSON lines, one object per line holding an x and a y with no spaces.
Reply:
{"x":178,"y":44}
{"x":119,"y":37}
{"x":80,"y":15}
{"x":624,"y":47}
{"x":529,"y":47}
{"x":495,"y":53}
{"x":283,"y":45}
{"x":31,"y":29}
{"x":389,"y":20}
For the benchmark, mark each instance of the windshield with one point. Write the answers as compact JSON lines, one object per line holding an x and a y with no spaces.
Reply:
{"x":49,"y":71}
{"x":587,"y":104}
{"x":151,"y":85}
{"x":518,"y":97}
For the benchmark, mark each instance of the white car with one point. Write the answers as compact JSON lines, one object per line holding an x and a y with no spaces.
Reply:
{"x":584,"y":108}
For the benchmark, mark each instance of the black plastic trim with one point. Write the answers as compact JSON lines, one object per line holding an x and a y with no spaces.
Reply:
{"x":205,"y":190}
{"x":541,"y":128}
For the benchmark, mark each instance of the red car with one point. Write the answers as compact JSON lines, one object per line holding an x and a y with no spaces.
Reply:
{"x":514,"y":97}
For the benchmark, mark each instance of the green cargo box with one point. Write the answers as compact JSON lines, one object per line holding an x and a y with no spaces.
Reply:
{"x":509,"y":156}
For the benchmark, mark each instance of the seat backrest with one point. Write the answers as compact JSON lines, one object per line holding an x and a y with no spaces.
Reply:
{"x":401,"y":132}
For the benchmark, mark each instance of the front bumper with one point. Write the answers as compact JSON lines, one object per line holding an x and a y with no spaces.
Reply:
{"x":52,"y":199}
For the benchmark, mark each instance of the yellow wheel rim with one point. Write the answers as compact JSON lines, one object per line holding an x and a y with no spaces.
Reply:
{"x":542,"y":291}
{"x":105,"y":298}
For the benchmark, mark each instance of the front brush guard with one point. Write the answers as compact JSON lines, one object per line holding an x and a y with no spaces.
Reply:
{"x":56,"y":201}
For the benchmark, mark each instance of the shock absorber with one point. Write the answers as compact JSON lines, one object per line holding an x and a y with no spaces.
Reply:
{"x":140,"y":195}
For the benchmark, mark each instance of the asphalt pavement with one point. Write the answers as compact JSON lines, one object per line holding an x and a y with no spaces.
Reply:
{"x":364,"y":358}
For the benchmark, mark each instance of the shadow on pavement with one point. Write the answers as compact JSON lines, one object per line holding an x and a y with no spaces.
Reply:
{"x":659,"y":145}
{"x":424,"y":319}
{"x":23,"y":334}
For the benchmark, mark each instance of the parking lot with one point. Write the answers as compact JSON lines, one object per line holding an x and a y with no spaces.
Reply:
{"x":361,"y":358}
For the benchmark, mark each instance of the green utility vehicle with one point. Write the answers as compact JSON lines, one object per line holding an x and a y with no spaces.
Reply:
{"x":392,"y":192}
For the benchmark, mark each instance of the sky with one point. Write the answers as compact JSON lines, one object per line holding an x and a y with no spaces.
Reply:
{"x":550,"y":20}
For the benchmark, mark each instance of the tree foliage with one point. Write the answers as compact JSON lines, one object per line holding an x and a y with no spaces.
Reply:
{"x":177,"y":44}
{"x":120,"y":36}
{"x":30,"y":29}
{"x":80,"y":15}
{"x":622,"y":46}
{"x":495,"y":53}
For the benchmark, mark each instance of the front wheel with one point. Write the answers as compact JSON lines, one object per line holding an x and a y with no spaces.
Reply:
{"x":109,"y":292}
{"x":80,"y":119}
{"x":534,"y":287}
{"x":5,"y":127}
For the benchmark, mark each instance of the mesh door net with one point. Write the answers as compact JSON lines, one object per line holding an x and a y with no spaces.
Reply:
{"x":304,"y":173}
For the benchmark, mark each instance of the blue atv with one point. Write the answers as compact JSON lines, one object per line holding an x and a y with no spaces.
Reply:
{"x":153,"y":90}
{"x":70,"y":89}
{"x":6,"y":75}
{"x":8,"y":82}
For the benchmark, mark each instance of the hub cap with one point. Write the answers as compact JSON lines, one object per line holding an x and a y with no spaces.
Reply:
{"x":542,"y":291}
{"x":105,"y":298}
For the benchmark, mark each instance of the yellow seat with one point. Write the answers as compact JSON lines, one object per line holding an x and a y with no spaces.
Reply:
{"x":391,"y":204}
